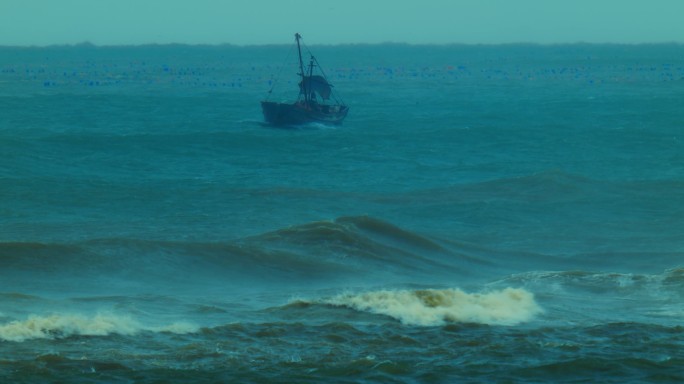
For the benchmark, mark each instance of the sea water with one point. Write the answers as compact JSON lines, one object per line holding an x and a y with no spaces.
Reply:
{"x":486,"y":213}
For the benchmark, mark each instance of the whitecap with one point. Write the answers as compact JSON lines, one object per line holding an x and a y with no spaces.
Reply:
{"x":430,"y":307}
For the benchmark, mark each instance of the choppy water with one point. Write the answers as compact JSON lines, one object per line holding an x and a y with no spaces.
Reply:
{"x":486,"y":213}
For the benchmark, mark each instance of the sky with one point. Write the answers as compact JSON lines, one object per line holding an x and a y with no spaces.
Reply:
{"x":247,"y":22}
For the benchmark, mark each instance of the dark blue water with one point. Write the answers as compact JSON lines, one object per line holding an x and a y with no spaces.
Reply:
{"x":485,"y":213}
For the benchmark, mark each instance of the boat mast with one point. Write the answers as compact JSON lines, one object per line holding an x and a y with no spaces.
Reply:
{"x":301,"y":68}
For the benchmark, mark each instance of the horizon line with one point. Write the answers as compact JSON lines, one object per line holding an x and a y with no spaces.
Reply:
{"x":86,"y":43}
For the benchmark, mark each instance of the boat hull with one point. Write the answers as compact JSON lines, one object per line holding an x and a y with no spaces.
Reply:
{"x":299,"y":113}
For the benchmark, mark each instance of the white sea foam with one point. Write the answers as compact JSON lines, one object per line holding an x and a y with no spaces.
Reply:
{"x":65,"y":325}
{"x":430,"y":307}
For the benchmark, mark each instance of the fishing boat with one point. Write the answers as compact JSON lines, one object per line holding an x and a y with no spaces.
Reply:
{"x":307,"y":108}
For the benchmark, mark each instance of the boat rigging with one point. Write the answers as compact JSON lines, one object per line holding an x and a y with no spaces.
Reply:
{"x":307,"y":108}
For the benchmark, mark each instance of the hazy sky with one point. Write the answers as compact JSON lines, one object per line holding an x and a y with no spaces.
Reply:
{"x":108,"y":22}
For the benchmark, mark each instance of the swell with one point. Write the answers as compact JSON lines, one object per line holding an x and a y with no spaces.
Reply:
{"x":347,"y":248}
{"x":557,"y":187}
{"x":558,"y":213}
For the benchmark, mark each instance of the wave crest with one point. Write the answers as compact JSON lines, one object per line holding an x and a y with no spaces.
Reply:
{"x":430,"y":307}
{"x":347,"y":246}
{"x":59,"y":326}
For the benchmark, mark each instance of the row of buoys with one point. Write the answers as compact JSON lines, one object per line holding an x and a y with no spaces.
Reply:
{"x":592,"y":74}
{"x":249,"y":75}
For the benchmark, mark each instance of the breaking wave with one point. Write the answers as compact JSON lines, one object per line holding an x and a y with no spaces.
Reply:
{"x":431,"y":307}
{"x":58,"y":326}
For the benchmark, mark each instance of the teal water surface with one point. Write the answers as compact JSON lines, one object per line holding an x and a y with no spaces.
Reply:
{"x":486,"y":213}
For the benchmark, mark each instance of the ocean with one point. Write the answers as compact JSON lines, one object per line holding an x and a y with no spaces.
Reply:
{"x":494,"y":213}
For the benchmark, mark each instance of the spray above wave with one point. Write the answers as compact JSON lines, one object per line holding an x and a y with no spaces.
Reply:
{"x":59,"y":326}
{"x":431,"y":307}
